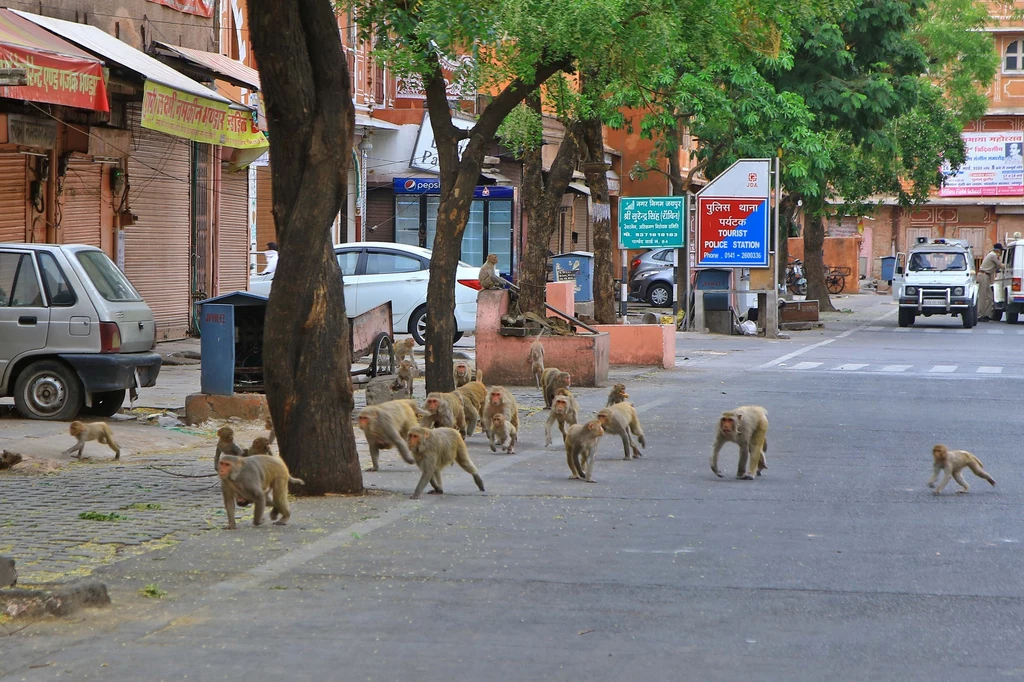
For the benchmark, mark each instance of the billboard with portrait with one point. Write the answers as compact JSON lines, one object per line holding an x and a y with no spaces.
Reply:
{"x":994,"y":166}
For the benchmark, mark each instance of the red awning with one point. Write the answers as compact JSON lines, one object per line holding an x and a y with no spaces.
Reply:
{"x":57,"y":71}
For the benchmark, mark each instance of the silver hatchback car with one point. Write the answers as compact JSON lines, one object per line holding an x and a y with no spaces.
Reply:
{"x":74,"y":332}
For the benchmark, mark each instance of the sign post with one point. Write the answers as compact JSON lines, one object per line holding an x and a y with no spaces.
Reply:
{"x":649,"y":223}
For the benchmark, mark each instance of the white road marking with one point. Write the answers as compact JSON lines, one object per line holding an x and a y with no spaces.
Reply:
{"x":943,"y":369}
{"x":806,"y":365}
{"x":895,"y":368}
{"x":989,"y":370}
{"x":932,"y":331}
{"x":850,"y":367}
{"x":805,"y":349}
{"x":963,"y":331}
{"x":994,"y":331}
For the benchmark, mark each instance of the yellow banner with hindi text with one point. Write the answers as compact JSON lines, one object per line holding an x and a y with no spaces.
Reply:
{"x":200,"y":119}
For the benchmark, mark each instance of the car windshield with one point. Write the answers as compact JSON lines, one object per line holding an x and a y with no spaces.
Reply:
{"x":938,"y":261}
{"x":107,"y":279}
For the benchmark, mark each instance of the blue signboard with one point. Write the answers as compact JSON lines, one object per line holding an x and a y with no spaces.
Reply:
{"x":433,"y":186}
{"x":733,"y":216}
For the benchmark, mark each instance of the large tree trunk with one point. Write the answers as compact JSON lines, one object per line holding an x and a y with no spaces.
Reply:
{"x":542,"y":205}
{"x":595,"y":170}
{"x":787,"y":212}
{"x":458,"y":179}
{"x":814,"y":266}
{"x":306,"y":354}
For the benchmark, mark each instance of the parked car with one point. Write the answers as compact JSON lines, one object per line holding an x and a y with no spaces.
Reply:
{"x":1008,"y":291}
{"x":936,"y":278}
{"x":74,"y":332}
{"x":375,"y":272}
{"x":655,"y":259}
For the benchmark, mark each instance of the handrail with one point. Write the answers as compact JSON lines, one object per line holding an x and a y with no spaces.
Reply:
{"x":555,"y":310}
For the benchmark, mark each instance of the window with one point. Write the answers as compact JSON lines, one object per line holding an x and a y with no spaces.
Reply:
{"x":382,"y":263}
{"x":407,"y":220}
{"x":347,"y":261}
{"x":473,"y":237}
{"x":665,"y":255}
{"x":108,"y":280}
{"x":58,"y":290}
{"x":499,"y":232}
{"x":1013,"y":58}
{"x":19,"y":287}
{"x":938,"y":261}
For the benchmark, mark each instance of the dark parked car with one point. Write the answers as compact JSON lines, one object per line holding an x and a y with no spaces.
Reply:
{"x":650,"y":278}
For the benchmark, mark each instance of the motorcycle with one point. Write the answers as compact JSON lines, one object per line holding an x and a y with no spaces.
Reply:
{"x":795,"y":280}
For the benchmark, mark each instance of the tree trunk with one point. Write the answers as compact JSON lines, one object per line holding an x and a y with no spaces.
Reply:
{"x":542,"y":205}
{"x":787,"y":212}
{"x":306,"y":353}
{"x":814,"y":266}
{"x":596,"y":170}
{"x":458,"y":177}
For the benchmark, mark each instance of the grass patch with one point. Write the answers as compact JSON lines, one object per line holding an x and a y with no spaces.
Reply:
{"x":100,"y":516}
{"x":152,"y":591}
{"x":142,"y":506}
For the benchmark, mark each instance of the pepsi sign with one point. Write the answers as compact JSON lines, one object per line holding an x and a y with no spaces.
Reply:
{"x":433,"y":186}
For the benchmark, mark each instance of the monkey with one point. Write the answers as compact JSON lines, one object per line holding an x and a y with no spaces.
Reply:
{"x":617,"y":395}
{"x":552,"y":379}
{"x":403,"y":351}
{"x":747,"y":426}
{"x":268,"y":424}
{"x":581,"y":449}
{"x":536,"y":360}
{"x":386,"y":426}
{"x":435,"y":449}
{"x":952,"y":462}
{"x":247,"y":478}
{"x":260,"y":446}
{"x":97,"y":431}
{"x":622,"y":420}
{"x":462,"y":373}
{"x":407,"y":371}
{"x":499,"y":399}
{"x":226,"y":445}
{"x":489,"y":279}
{"x":565,"y":410}
{"x":472,"y":417}
{"x":444,"y":409}
{"x":502,"y":431}
{"x":474,"y":395}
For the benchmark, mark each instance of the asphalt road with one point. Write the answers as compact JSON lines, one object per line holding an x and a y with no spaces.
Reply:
{"x":837,"y":564}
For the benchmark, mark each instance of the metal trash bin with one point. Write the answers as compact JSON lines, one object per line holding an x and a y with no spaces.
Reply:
{"x":576,"y":266}
{"x":888,"y":267}
{"x":714,"y":278}
{"x":231,"y":328}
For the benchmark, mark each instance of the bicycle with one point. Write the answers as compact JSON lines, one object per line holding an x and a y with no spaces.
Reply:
{"x":835,"y":278}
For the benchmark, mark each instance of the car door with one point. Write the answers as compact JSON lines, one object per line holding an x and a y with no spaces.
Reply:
{"x":899,"y":275}
{"x":24,"y":316}
{"x":1004,"y":277}
{"x":348,"y":261}
{"x":395,"y":276}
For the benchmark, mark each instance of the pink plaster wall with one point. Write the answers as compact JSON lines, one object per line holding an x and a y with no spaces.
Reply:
{"x":561,"y":295}
{"x":641,"y":344}
{"x":502,"y":359}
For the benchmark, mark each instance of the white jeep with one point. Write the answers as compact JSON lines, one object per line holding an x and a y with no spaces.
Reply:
{"x":1007,"y":288}
{"x":936,"y":278}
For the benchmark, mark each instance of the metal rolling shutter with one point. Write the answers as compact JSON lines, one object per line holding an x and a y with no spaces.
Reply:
{"x":13,"y":198}
{"x":581,"y":226}
{"x":265,"y":230}
{"x":80,"y":219}
{"x":157,"y":245}
{"x":233,"y":233}
{"x":380,"y":214}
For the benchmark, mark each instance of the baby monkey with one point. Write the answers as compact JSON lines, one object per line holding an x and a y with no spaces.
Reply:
{"x":97,"y":431}
{"x":617,"y":395}
{"x":952,"y":462}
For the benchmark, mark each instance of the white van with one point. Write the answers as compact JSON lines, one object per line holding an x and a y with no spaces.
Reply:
{"x":936,"y":277}
{"x":1007,"y":289}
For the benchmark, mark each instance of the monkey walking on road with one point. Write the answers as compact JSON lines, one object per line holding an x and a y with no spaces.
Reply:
{"x":436,"y":449}
{"x":97,"y":431}
{"x":581,"y":449}
{"x":747,"y":426}
{"x":247,"y":478}
{"x":952,"y":462}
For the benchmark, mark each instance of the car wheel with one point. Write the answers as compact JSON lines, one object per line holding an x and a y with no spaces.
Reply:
{"x":1011,"y":315}
{"x":659,"y":296}
{"x":105,"y":404}
{"x":418,"y":326}
{"x":970,"y":316}
{"x":48,"y":390}
{"x":906,"y":317}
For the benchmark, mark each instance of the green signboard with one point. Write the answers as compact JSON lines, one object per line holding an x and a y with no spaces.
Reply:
{"x":652,"y":222}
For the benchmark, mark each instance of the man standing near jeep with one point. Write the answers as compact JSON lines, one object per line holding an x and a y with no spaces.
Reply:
{"x":992,"y":264}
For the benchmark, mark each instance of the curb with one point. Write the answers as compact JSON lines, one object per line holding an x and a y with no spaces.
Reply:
{"x":60,"y":601}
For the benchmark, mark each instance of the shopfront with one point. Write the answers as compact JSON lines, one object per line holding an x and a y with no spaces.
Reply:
{"x":489,"y":229}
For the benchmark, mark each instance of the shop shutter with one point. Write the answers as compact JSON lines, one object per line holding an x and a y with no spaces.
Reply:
{"x":13,"y":197}
{"x":380,"y":214}
{"x":265,"y":229}
{"x":80,"y":212}
{"x":233,"y":233}
{"x":581,"y":226}
{"x":157,"y":245}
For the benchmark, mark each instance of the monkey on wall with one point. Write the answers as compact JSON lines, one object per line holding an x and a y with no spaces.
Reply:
{"x":247,"y":478}
{"x":952,"y":462}
{"x":436,"y":449}
{"x":488,"y":276}
{"x":564,"y":410}
{"x":617,"y":395}
{"x":747,"y":426}
{"x":552,"y":379}
{"x":502,"y":432}
{"x":622,"y":420}
{"x":536,"y":360}
{"x":97,"y":431}
{"x":581,"y":449}
{"x":386,"y":425}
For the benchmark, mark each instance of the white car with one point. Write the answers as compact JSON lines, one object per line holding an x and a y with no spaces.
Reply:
{"x":936,"y":278}
{"x":375,"y":272}
{"x":1007,"y":288}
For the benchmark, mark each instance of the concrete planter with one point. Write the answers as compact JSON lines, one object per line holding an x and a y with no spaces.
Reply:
{"x":641,"y":344}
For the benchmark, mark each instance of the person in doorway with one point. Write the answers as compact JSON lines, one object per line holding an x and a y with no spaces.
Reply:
{"x":271,"y":255}
{"x":991,"y":265}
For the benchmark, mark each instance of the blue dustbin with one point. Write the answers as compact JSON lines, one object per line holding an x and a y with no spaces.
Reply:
{"x":888,"y":267}
{"x":231,"y":343}
{"x":578,"y":266}
{"x":714,"y":278}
